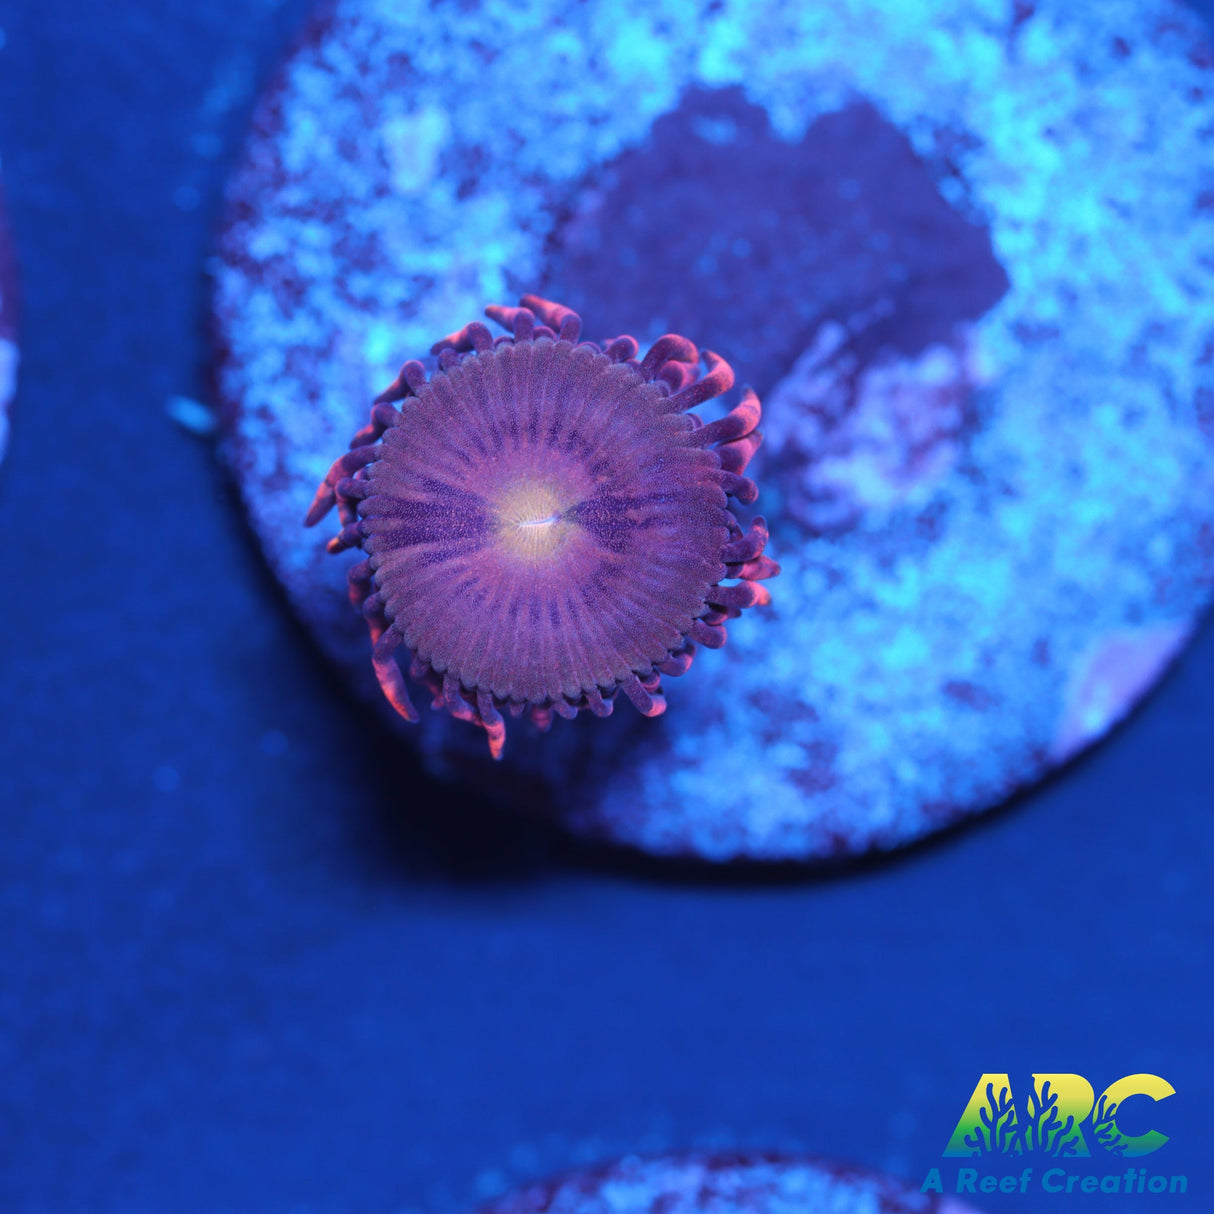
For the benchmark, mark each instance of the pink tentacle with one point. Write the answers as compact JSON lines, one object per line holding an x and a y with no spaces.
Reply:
{"x":349,"y":491}
{"x":740,"y":487}
{"x":741,"y":596}
{"x":740,"y":421}
{"x":354,"y":488}
{"x":676,"y":376}
{"x":748,"y":547}
{"x":620,"y":349}
{"x":350,"y":536}
{"x":670,"y":346}
{"x":759,"y":569}
{"x":491,"y":719}
{"x":648,"y":701}
{"x":736,"y":455}
{"x":408,"y":382}
{"x":391,"y":680}
{"x":345,"y":465}
{"x":711,"y":636}
{"x":473,"y":336}
{"x":373,"y":612}
{"x":678,"y":663}
{"x":383,"y":416}
{"x":520,"y":321}
{"x":719,"y":379}
{"x":358,"y":584}
{"x":451,"y":697}
{"x":565,"y":321}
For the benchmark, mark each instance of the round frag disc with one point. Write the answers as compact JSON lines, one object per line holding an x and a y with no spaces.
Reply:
{"x":968,"y":265}
{"x":742,"y":1183}
{"x":9,"y":355}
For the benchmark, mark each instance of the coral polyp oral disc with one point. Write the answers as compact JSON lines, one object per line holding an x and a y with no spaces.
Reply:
{"x":545,"y":523}
{"x":538,"y":526}
{"x":532,"y":525}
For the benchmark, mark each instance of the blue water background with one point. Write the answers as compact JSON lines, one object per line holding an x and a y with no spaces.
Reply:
{"x":249,"y":964}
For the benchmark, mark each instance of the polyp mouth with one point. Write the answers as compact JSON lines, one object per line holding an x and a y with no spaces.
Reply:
{"x":532,"y":521}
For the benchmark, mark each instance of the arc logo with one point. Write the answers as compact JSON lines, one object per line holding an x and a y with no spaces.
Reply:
{"x":1061,"y":1116}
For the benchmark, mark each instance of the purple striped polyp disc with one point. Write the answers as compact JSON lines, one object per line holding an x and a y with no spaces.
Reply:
{"x":445,"y":480}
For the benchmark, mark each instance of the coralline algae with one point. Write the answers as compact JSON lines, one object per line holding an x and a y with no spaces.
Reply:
{"x":724,"y":1184}
{"x":964,"y":249}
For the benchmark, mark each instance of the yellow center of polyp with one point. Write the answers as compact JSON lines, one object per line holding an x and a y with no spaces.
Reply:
{"x":531,"y":526}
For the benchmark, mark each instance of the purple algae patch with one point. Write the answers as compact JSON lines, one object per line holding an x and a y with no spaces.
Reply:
{"x":714,"y":225}
{"x":970,"y":265}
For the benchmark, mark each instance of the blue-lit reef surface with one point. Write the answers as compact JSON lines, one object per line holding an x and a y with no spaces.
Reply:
{"x":724,"y":1184}
{"x":9,"y":355}
{"x":963,"y":250}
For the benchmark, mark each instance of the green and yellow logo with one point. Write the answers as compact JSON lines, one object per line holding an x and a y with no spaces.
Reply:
{"x":1061,"y":1117}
